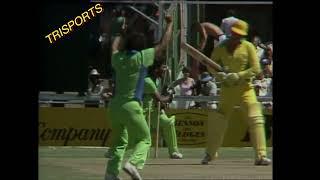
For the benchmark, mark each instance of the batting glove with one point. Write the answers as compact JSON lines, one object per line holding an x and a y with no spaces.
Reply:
{"x":221,"y":76}
{"x":232,"y":78}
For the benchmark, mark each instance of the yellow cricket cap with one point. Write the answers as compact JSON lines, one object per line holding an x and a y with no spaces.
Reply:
{"x":240,"y":27}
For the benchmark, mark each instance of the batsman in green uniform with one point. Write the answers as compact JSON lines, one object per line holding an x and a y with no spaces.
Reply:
{"x":151,"y":96}
{"x":127,"y":119}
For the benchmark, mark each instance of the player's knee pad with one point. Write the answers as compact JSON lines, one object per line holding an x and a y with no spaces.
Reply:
{"x":257,"y":135}
{"x":256,"y":120}
{"x":253,"y":109}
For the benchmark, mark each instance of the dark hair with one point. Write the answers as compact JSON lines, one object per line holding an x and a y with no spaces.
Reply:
{"x":155,"y":65}
{"x":186,"y":70}
{"x":136,"y":41}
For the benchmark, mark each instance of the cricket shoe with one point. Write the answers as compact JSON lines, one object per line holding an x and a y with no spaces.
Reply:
{"x":207,"y":158}
{"x":111,"y":177}
{"x":262,"y":161}
{"x":176,"y":155}
{"x":132,"y":171}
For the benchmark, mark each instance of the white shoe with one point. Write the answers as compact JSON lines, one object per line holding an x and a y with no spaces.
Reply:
{"x":132,"y":171}
{"x":176,"y":155}
{"x":207,"y":158}
{"x":111,"y":177}
{"x":262,"y":162}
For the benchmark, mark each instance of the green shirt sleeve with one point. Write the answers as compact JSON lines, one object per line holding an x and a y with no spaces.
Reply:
{"x":148,"y":56}
{"x":149,"y":86}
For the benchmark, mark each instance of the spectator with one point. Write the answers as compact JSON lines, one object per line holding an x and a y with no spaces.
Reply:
{"x":262,"y":85}
{"x":256,"y":41}
{"x":186,"y":85}
{"x":207,"y":88}
{"x":103,"y":40}
{"x":267,"y":61}
{"x":107,"y":93}
{"x":197,"y":87}
{"x":95,"y":86}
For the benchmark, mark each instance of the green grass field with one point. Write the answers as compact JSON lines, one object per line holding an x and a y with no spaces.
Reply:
{"x":89,"y":163}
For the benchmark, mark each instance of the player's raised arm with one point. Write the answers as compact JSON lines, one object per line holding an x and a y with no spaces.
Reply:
{"x":116,"y":44}
{"x":159,"y":48}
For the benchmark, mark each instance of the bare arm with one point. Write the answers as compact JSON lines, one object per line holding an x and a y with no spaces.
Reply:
{"x":212,"y":29}
{"x":203,"y":36}
{"x":206,"y":29}
{"x":116,"y":44}
{"x":118,"y":41}
{"x":159,"y":48}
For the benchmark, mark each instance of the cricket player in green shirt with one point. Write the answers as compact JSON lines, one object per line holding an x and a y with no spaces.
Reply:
{"x":151,"y":96}
{"x":126,"y":114}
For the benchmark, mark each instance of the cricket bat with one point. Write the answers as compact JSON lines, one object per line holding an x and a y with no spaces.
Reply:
{"x":203,"y":59}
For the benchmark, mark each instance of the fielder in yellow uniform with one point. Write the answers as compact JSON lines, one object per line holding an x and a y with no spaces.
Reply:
{"x":239,"y":59}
